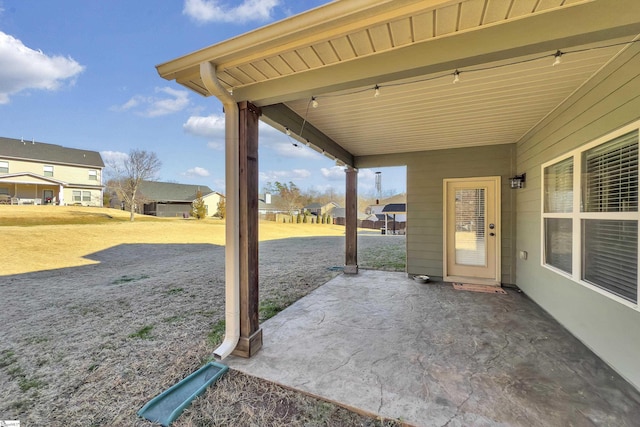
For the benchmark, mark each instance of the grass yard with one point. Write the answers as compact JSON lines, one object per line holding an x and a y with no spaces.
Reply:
{"x":101,"y":314}
{"x":62,"y":236}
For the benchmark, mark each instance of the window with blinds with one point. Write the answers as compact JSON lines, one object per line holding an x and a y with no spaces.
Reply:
{"x":610,"y":176}
{"x":607,"y":218}
{"x":558,"y":186}
{"x":610,"y":256}
{"x":558,"y":243}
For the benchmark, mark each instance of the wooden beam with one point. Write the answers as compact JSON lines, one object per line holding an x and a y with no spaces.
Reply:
{"x":250,"y":333}
{"x":351,"y":225}
{"x":281,"y":116}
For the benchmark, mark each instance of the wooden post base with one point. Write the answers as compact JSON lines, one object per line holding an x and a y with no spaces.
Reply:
{"x":247,"y":347}
{"x":351,"y":269}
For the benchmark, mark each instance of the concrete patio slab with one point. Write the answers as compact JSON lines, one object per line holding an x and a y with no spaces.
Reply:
{"x":429,"y":355}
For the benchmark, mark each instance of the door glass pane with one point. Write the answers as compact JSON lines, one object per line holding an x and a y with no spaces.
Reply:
{"x":470,"y":226}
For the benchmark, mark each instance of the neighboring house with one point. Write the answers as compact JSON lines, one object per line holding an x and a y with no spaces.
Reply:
{"x":320,"y":209}
{"x":339,"y":216}
{"x":379,"y":206}
{"x":167,"y":199}
{"x":269,"y":204}
{"x":395,"y":218}
{"x":33,"y":172}
{"x":470,"y":94}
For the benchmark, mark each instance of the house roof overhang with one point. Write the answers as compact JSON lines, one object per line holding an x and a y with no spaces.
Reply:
{"x":30,"y":178}
{"x":410,"y":49}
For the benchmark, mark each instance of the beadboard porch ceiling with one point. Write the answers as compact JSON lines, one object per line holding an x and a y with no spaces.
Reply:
{"x":411,"y":49}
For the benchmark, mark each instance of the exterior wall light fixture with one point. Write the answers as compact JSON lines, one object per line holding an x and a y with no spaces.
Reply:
{"x":518,"y":181}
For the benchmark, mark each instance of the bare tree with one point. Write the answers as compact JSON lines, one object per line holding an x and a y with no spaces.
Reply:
{"x":140,"y":165}
{"x":289,"y":196}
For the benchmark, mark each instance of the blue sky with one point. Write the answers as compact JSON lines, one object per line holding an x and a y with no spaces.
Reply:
{"x":81,"y":73}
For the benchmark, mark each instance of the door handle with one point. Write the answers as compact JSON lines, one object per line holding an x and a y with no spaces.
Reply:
{"x":492,"y":234}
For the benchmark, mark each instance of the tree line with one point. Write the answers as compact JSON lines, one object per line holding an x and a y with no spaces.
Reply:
{"x":126,"y":175}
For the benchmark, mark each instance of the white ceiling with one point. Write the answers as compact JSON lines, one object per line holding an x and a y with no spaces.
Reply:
{"x":497,"y":105}
{"x":410,"y":48}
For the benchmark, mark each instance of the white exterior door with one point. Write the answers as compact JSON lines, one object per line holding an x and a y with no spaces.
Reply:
{"x":472,"y":230}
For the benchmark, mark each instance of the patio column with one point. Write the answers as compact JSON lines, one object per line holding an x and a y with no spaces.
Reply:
{"x":250,"y":333}
{"x":351,"y":225}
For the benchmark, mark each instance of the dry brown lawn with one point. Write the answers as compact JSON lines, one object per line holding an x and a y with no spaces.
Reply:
{"x":100,"y":314}
{"x":62,"y":236}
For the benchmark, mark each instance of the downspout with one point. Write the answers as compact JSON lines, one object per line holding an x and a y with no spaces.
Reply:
{"x":232,"y":227}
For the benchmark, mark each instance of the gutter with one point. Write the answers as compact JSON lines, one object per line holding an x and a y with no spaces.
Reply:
{"x":232,"y":226}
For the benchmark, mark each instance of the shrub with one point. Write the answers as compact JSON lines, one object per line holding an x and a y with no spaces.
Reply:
{"x":198,"y":208}
{"x":222,"y":208}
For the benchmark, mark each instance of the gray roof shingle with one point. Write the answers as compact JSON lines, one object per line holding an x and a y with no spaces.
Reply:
{"x":48,"y":153}
{"x":395,"y":208}
{"x":169,"y":191}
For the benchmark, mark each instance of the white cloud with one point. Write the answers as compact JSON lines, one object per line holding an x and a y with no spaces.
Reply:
{"x":113,"y":156}
{"x":209,"y":127}
{"x":197,"y":171}
{"x":366,"y":175}
{"x":22,"y":68}
{"x":204,"y":11}
{"x":169,"y":101}
{"x":283,"y":146}
{"x":113,"y":160}
{"x":334,"y":173}
{"x":284,"y":175}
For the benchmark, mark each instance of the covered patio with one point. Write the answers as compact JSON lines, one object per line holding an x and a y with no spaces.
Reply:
{"x":429,"y":355}
{"x":467,"y":94}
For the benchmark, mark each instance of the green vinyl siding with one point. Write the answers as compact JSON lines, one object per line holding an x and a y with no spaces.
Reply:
{"x":425,"y":174}
{"x":609,"y":101}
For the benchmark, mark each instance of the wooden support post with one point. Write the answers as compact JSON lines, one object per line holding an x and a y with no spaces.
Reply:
{"x":351,"y":226}
{"x":250,"y":333}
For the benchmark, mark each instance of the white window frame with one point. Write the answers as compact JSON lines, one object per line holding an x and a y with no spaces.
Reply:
{"x":86,"y":196}
{"x":93,"y":175}
{"x":4,"y":165}
{"x":577,"y":216}
{"x":47,"y":168}
{"x":77,"y":198}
